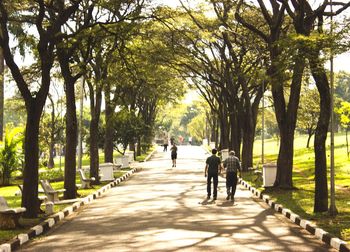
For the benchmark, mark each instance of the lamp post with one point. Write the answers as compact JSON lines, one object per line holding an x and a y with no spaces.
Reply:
{"x":332,"y":208}
{"x":263,"y":126}
{"x":80,"y":135}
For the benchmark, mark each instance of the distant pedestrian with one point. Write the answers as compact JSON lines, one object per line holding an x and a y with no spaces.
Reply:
{"x":173,"y":150}
{"x":212,"y":170}
{"x":165,"y":144}
{"x":232,"y":166}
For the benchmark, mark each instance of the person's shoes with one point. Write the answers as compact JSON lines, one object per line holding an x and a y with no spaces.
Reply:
{"x":232,"y":199}
{"x":228,"y":197}
{"x":214,"y":198}
{"x":208,"y":197}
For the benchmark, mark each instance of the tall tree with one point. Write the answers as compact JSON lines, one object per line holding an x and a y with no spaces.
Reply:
{"x":272,"y":33}
{"x":48,"y":20}
{"x":308,"y":21}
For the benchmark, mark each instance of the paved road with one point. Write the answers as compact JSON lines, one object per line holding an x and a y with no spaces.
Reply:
{"x":164,"y":209}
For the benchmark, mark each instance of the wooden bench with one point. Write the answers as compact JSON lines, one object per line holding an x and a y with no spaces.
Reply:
{"x":85,"y":182}
{"x":9,"y":216}
{"x":51,"y":193}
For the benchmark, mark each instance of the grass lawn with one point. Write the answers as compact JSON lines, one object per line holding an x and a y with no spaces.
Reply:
{"x":301,"y":200}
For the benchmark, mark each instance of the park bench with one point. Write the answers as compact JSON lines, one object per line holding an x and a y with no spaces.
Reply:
{"x":41,"y":198}
{"x":9,"y":216}
{"x":51,"y":193}
{"x":85,"y":182}
{"x":257,"y":173}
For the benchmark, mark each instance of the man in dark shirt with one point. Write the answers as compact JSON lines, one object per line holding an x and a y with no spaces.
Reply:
{"x":212,"y":170}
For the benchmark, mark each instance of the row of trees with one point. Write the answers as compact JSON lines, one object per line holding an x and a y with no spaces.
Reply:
{"x":134,"y":57}
{"x":234,"y":51}
{"x":114,"y":48}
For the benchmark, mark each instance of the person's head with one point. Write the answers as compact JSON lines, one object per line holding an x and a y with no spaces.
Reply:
{"x":232,"y":153}
{"x":214,"y":151}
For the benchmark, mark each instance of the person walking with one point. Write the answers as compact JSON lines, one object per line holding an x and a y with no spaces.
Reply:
{"x":212,"y":170}
{"x":173,"y":150}
{"x":232,"y":165}
{"x":165,"y":144}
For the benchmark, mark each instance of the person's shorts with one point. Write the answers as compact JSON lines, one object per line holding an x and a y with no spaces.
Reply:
{"x":173,"y":155}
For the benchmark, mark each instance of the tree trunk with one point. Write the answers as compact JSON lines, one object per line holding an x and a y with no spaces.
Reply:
{"x":224,"y":129}
{"x":132,"y":146}
{"x":285,"y":158}
{"x":308,"y":139}
{"x":321,"y":187}
{"x":71,"y":142}
{"x":286,"y":116}
{"x":235,"y":137}
{"x":71,"y":125}
{"x":2,"y":81}
{"x":94,"y":156}
{"x":248,"y":117}
{"x":31,"y":160}
{"x":108,"y":144}
{"x":247,"y":149}
{"x":138,"y":150}
{"x":95,"y":107}
{"x":51,"y":162}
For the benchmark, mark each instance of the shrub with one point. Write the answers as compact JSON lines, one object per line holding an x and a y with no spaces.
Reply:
{"x":10,"y":153}
{"x":52,"y":175}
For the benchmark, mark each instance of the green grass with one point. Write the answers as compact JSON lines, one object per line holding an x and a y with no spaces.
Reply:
{"x":301,"y":200}
{"x":143,"y":156}
{"x":85,"y":160}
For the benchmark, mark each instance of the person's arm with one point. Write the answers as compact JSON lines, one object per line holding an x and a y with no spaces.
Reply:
{"x":206,"y":170}
{"x":220,"y":167}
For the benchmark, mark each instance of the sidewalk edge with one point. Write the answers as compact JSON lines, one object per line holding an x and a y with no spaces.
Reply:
{"x":51,"y":220}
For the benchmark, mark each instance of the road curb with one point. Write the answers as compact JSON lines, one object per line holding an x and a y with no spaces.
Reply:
{"x":322,"y":235}
{"x":150,"y":155}
{"x":47,"y":224}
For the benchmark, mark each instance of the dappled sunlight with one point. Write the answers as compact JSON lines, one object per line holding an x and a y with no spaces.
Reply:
{"x":167,"y":210}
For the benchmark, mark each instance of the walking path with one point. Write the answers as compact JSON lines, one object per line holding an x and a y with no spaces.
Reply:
{"x":164,"y":209}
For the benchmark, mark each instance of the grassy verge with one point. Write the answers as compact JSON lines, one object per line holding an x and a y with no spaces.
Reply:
{"x":144,"y":155}
{"x":301,"y":200}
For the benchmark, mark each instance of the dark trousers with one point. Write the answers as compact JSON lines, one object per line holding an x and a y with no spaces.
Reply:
{"x":231,"y":183}
{"x":215,"y":181}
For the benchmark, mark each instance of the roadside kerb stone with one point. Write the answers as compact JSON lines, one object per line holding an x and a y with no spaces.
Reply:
{"x":47,"y":224}
{"x":150,"y":155}
{"x":322,"y":235}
